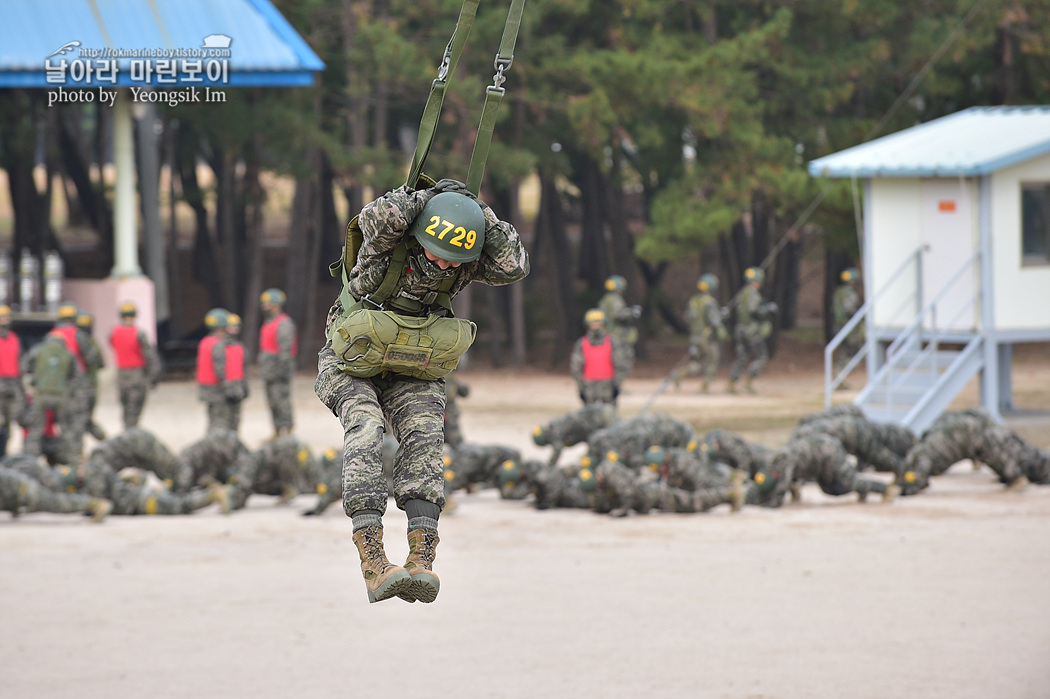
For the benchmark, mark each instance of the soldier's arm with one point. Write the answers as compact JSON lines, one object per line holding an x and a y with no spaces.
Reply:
{"x":149,"y":352}
{"x":503,"y":259}
{"x":285,"y":339}
{"x":218,"y":361}
{"x":384,"y":221}
{"x":576,"y":361}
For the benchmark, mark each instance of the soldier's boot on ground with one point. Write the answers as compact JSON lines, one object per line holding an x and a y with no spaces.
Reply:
{"x":218,"y":494}
{"x":676,"y":379}
{"x":705,"y":386}
{"x":748,"y":384}
{"x":383,"y":579}
{"x":422,"y":549}
{"x":99,"y":508}
{"x":731,"y":388}
{"x":736,"y":491}
{"x":891,"y":493}
{"x":1018,"y":484}
{"x":288,"y":493}
{"x":796,"y":492}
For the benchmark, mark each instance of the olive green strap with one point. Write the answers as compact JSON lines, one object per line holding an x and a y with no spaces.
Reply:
{"x":432,"y":110}
{"x":493,"y":97}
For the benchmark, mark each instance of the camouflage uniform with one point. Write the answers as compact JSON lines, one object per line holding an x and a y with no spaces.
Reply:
{"x":277,"y":369}
{"x":92,"y":363}
{"x":215,"y":396}
{"x":574,"y":428}
{"x":737,"y":452}
{"x":630,"y":439}
{"x":413,"y":408}
{"x":517,"y":479}
{"x":821,"y":458}
{"x":844,"y":305}
{"x":558,"y":486}
{"x":859,"y":437}
{"x":692,"y":469}
{"x":627,"y":490}
{"x":749,"y":333}
{"x":220,"y":456}
{"x":52,"y":390}
{"x":21,"y":493}
{"x":705,"y":335}
{"x":620,"y":319}
{"x":951,"y":438}
{"x":454,"y":389}
{"x":139,"y":448}
{"x":477,"y":464}
{"x":600,"y":391}
{"x":285,"y":466}
{"x":134,"y":384}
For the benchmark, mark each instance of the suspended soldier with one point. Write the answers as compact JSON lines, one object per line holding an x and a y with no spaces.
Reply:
{"x":752,"y":327}
{"x":12,"y":397}
{"x":138,"y":366}
{"x":621,"y":320}
{"x":706,"y":332}
{"x":599,"y":361}
{"x":93,"y":363}
{"x":419,"y":249}
{"x":278,"y":349}
{"x":844,"y":305}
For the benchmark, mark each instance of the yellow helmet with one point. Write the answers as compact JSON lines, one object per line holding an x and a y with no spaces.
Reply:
{"x":5,"y":310}
{"x":275,"y":296}
{"x":128,"y":309}
{"x":67,"y":310}
{"x":233,"y":320}
{"x":594,"y":315}
{"x":850,"y":274}
{"x":615,"y":283}
{"x":216,"y":318}
{"x":85,"y":320}
{"x":708,"y":282}
{"x":754,"y":274}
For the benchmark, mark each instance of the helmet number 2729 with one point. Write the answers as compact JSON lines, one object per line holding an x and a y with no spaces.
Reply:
{"x":461,"y":236}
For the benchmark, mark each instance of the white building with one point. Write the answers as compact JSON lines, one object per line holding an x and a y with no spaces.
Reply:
{"x":956,"y":256}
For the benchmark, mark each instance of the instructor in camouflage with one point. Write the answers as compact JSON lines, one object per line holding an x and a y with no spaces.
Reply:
{"x":278,"y":349}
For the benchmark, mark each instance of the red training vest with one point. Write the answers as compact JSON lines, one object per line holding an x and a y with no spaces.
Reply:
{"x":268,"y":336}
{"x":205,"y":368}
{"x":597,"y":360}
{"x":10,"y":348}
{"x":235,"y":362}
{"x":126,"y":346}
{"x":69,"y":334}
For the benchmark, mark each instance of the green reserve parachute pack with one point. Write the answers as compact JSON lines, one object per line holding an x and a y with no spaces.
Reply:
{"x":379,"y":334}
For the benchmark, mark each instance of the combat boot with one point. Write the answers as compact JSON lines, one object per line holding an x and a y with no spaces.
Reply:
{"x":891,"y":493}
{"x":383,"y":579}
{"x":705,"y":386}
{"x":1018,"y":484}
{"x":99,"y":508}
{"x":731,"y":388}
{"x":422,"y":549}
{"x":748,"y":384}
{"x":218,"y":494}
{"x":736,"y":490}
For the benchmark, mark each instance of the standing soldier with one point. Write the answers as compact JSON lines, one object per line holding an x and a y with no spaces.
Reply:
{"x":53,"y":372}
{"x":419,"y":248}
{"x":138,"y":367}
{"x":12,"y":400}
{"x":844,"y":305}
{"x":84,"y":351}
{"x":621,"y":320}
{"x":599,"y":361}
{"x":92,"y":363}
{"x":236,"y":379}
{"x":211,"y":369}
{"x":278,"y":348}
{"x":706,"y":332}
{"x":752,"y":327}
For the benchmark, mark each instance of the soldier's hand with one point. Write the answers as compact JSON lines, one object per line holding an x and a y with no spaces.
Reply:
{"x":636,"y":311}
{"x":450,"y":185}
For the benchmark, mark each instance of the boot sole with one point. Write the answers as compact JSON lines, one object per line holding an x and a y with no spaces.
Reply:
{"x":422,"y":587}
{"x":394,"y":586}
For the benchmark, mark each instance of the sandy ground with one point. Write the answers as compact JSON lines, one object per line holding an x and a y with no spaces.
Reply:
{"x":940,"y":595}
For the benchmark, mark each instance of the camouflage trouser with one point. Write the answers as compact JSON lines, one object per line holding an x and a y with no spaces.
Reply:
{"x":132,"y":389}
{"x":848,"y":349}
{"x":748,"y":343}
{"x":36,"y":420}
{"x":136,"y":500}
{"x":19,"y":492}
{"x":12,"y":402}
{"x":598,"y":392}
{"x":704,"y":357}
{"x":224,"y":415}
{"x":700,"y":500}
{"x":413,"y":408}
{"x":279,"y":396}
{"x":81,"y":404}
{"x":841,"y":478}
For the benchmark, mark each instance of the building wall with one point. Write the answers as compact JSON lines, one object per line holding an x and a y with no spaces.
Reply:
{"x":895,"y":226}
{"x":1021,"y":293}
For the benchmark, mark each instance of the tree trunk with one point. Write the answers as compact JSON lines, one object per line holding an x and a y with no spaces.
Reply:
{"x":558,"y":268}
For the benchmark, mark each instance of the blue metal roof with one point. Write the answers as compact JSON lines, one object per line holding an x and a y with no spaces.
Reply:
{"x":264,"y":49}
{"x":975,"y":141}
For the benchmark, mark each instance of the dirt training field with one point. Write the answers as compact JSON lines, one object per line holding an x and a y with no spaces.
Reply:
{"x":939,"y":595}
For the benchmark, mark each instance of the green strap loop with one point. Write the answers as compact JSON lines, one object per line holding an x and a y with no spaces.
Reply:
{"x":432,"y":110}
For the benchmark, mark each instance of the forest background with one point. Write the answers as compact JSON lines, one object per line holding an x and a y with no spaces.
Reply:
{"x":655,"y":139}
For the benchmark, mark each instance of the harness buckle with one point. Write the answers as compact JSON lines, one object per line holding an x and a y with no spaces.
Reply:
{"x":367,"y":302}
{"x":501,"y":65}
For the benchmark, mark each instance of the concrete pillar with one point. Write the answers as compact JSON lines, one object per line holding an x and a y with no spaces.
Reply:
{"x":125,"y":230}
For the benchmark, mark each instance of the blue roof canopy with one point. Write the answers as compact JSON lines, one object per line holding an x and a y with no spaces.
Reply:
{"x":160,"y":43}
{"x":975,"y":141}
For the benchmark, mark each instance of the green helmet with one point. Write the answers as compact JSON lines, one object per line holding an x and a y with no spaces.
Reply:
{"x":275,"y":296}
{"x":216,"y":318}
{"x":754,"y":274}
{"x":850,"y":274}
{"x":708,"y":282}
{"x":451,"y":226}
{"x":615,"y":283}
{"x":655,"y":456}
{"x":587,"y":482}
{"x":540,"y":436}
{"x":509,"y":472}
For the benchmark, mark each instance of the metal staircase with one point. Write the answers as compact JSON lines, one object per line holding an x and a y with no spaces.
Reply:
{"x":925,"y":365}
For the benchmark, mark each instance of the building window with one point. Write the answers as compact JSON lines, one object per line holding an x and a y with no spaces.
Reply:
{"x":1035,"y":224}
